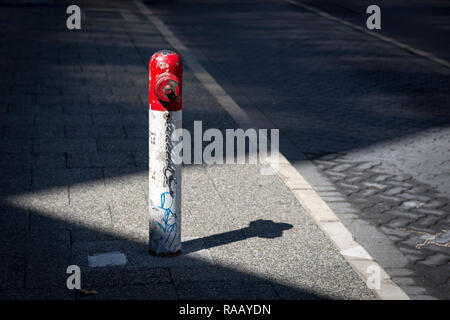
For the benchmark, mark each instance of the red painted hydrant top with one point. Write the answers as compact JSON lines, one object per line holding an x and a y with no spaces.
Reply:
{"x":165,"y":81}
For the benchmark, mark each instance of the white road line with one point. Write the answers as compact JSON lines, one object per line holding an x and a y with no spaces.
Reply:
{"x":304,"y":192}
{"x":396,"y":43}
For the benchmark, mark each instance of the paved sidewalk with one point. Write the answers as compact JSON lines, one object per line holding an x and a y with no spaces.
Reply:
{"x":74,"y":177}
{"x":374,"y":118}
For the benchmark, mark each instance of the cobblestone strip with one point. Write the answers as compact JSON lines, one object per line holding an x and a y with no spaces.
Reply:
{"x":412,"y":214}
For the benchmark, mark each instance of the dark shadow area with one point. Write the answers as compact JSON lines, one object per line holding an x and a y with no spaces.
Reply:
{"x":34,"y":262}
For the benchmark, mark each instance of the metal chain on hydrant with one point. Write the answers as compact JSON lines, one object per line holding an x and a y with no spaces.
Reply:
{"x":168,"y":179}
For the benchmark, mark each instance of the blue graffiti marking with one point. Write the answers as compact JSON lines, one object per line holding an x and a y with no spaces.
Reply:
{"x":168,"y":227}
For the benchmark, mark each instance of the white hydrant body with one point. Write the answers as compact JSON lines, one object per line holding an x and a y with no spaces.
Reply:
{"x":165,"y":117}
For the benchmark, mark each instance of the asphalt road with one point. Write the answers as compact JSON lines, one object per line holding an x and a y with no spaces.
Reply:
{"x":372,"y":116}
{"x":74,"y":177}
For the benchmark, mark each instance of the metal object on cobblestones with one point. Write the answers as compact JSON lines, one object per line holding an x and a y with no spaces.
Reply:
{"x":165,"y":81}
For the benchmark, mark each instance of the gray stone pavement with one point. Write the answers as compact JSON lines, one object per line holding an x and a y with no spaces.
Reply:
{"x":374,"y":118}
{"x":73,"y":178}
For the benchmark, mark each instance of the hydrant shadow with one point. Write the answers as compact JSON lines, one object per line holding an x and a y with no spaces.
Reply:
{"x":259,"y":228}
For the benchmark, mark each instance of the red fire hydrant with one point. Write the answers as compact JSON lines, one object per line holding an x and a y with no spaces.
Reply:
{"x":165,"y":83}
